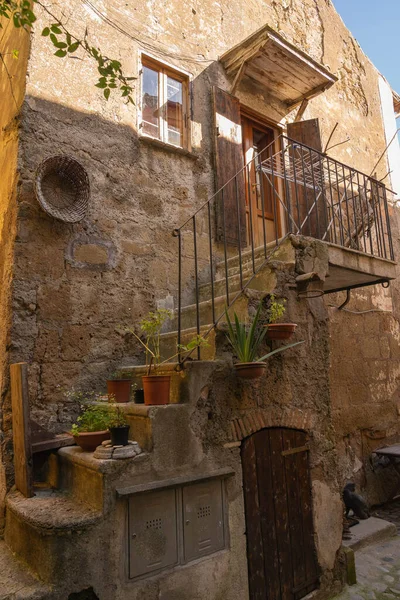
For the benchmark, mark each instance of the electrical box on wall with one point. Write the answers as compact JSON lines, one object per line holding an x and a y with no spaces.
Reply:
{"x":174,"y":526}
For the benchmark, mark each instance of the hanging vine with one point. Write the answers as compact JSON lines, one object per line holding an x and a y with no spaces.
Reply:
{"x":111,"y":75}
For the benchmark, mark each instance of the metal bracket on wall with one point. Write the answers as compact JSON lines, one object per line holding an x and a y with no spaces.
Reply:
{"x":348,"y":292}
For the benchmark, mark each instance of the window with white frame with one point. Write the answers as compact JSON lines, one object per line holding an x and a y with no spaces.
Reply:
{"x":164,"y":103}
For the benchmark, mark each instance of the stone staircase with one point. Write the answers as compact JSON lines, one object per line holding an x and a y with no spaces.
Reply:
{"x":280,"y":259}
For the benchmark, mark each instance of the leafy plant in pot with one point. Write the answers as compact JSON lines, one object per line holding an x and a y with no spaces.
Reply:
{"x":119,"y":388}
{"x":118,"y":426}
{"x":91,"y":427}
{"x":156,"y":382}
{"x":278,"y":331}
{"x":246,"y":340}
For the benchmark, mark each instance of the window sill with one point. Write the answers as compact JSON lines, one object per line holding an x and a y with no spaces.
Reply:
{"x":169,"y":147}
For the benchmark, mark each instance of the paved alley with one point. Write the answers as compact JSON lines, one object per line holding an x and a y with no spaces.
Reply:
{"x":378,"y":573}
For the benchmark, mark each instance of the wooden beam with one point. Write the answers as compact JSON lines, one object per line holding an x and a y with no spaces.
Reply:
{"x":238,"y":77}
{"x":21,"y":429}
{"x":301,"y":110}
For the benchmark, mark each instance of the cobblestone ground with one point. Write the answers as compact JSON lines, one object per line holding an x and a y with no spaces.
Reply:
{"x":378,"y":573}
{"x":378,"y":566}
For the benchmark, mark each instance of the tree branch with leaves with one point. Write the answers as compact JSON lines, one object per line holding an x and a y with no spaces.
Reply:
{"x":111,"y":75}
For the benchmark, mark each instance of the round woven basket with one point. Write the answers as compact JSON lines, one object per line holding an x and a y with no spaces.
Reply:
{"x":62,"y":188}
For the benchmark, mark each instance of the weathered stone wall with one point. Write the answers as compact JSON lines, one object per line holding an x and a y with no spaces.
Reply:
{"x":74,"y":284}
{"x":364,"y":376}
{"x":12,"y":89}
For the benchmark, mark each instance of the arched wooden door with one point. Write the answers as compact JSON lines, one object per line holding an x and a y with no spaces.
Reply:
{"x":279,"y":525}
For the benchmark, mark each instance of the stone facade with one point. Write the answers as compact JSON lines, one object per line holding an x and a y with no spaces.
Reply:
{"x":74,"y":286}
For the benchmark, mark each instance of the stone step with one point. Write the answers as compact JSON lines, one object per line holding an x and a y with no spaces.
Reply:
{"x":169,"y":342}
{"x":188,"y":314}
{"x":370,"y":531}
{"x":16,"y":581}
{"x":246,"y":259}
{"x":48,"y":531}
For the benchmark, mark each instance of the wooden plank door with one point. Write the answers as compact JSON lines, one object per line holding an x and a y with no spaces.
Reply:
{"x":279,"y":525}
{"x":262,"y":209}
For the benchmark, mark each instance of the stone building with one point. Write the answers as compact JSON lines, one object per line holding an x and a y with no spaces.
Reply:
{"x":215,"y":84}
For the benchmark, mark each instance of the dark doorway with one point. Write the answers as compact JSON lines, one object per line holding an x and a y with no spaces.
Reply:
{"x":279,"y":525}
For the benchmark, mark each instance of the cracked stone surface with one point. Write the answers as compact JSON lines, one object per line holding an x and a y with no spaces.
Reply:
{"x":378,"y":573}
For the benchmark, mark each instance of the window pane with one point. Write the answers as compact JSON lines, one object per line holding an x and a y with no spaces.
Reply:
{"x":174,"y":112}
{"x":150,"y":95}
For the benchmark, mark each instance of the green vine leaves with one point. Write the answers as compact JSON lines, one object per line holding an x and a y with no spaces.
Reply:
{"x":111,"y":75}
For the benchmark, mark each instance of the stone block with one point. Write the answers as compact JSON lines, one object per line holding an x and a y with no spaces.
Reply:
{"x":92,"y":254}
{"x":350,"y":565}
{"x":75,"y":342}
{"x":47,"y":345}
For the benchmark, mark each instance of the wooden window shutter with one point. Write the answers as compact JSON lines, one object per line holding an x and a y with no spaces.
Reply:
{"x":308,"y":133}
{"x":231,"y":202}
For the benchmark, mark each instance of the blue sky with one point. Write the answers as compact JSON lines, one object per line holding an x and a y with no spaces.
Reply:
{"x":376,"y":26}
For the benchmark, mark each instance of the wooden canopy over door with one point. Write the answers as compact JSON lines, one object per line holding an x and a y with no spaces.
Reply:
{"x":279,"y":525}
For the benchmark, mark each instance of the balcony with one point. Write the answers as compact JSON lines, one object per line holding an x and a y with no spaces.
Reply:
{"x":326,"y":222}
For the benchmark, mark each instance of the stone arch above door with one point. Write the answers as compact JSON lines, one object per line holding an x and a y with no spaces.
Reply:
{"x":251,"y":421}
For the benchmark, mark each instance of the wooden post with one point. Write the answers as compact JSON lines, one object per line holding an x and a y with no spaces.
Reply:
{"x":21,"y":429}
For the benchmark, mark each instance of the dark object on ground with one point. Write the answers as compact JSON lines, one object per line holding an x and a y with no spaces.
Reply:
{"x":355,"y":502}
{"x":87,"y":594}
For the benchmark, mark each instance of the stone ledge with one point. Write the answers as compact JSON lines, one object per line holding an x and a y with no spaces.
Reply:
{"x":52,"y":512}
{"x":369,"y":532}
{"x":85,"y":459}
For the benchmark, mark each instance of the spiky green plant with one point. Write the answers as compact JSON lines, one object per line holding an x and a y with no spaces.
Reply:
{"x":247,"y":339}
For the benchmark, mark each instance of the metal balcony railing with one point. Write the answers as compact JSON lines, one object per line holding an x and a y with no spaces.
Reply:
{"x":296,"y":190}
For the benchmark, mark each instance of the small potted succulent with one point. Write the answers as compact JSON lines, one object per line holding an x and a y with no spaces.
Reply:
{"x":118,"y":425}
{"x":246,"y":340}
{"x":119,"y":388}
{"x":91,"y":427}
{"x":278,"y":331}
{"x":156,"y":383}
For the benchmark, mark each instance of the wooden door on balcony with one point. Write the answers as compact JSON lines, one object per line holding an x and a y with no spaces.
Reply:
{"x":262,"y":205}
{"x":278,"y":507}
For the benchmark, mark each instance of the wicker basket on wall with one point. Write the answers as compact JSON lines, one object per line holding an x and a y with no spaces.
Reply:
{"x":62,"y":188}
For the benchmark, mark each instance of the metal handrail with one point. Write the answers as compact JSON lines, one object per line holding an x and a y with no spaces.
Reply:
{"x":317,"y":196}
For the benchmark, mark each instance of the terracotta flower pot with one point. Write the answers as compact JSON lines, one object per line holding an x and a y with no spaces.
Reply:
{"x":89,"y":440}
{"x":120,"y":389}
{"x":156,"y":389}
{"x":251,"y":370}
{"x":280,"y":331}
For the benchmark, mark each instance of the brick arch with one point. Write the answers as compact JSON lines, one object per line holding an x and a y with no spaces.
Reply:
{"x":251,"y":421}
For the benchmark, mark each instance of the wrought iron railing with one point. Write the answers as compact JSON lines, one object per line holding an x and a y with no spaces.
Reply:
{"x":287,"y":188}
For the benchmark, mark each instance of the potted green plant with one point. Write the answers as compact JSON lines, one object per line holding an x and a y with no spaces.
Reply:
{"x":119,"y":388}
{"x":118,"y":426}
{"x":156,"y":382}
{"x":91,"y":427}
{"x":278,"y":331}
{"x":246,"y":340}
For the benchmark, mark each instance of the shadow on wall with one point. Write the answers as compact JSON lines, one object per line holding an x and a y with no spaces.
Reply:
{"x":76,"y":284}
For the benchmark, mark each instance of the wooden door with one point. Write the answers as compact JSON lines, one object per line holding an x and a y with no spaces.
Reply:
{"x":279,"y":524}
{"x":262,"y":204}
